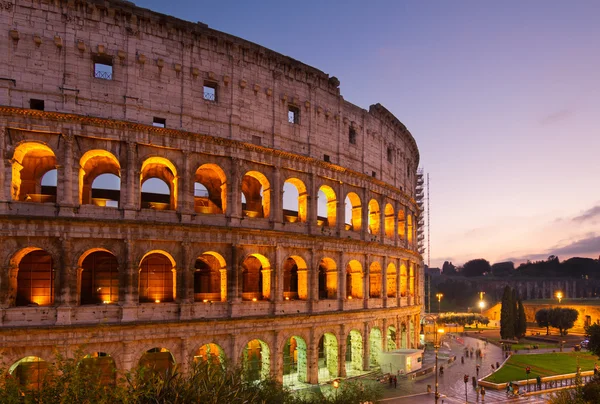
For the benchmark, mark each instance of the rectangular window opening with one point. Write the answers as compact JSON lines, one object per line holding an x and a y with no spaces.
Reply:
{"x":36,"y":104}
{"x":390,"y":154}
{"x":373,"y":174}
{"x":210,"y":91}
{"x":256,"y":140}
{"x":103,"y":67}
{"x":326,"y":158}
{"x":293,"y":114}
{"x":352,"y":135}
{"x":159,"y":122}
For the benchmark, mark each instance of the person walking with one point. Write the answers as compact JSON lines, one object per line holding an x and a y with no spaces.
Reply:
{"x":395,"y":382}
{"x":538,"y":381}
{"x":482,"y":392}
{"x":462,"y":360}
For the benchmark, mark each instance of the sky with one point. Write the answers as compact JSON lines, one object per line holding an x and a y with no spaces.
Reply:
{"x":503,"y":99}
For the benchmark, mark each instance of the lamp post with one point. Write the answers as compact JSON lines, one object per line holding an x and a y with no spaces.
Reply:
{"x":336,"y":385}
{"x":436,"y":346}
{"x":466,"y":380}
{"x":559,"y":296}
{"x":481,"y":306}
{"x":439,"y":297}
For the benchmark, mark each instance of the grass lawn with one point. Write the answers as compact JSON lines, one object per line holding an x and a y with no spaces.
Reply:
{"x":548,"y":364}
{"x":527,"y":343}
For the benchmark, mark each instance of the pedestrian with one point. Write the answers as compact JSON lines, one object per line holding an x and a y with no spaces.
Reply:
{"x":391,"y":380}
{"x":493,"y":367}
{"x":538,"y":380}
{"x":395,"y":382}
{"x":476,"y":394}
{"x":474,"y":381}
{"x":497,"y":365}
{"x":482,"y":391}
{"x":477,"y":370}
{"x":462,"y":360}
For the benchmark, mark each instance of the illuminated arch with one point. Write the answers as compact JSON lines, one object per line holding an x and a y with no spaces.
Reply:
{"x":392,"y":280}
{"x":401,"y":224}
{"x":375,"y":346}
{"x":256,"y":194}
{"x":214,"y":184}
{"x":391,"y":338}
{"x":295,"y":278}
{"x":210,"y":278}
{"x":354,"y":280}
{"x":353,"y":212}
{"x":374,"y":217}
{"x":411,"y":279}
{"x":295,"y":361}
{"x":390,"y":221}
{"x":157,"y":277}
{"x":256,"y":360}
{"x":210,"y":353}
{"x":328,"y":357}
{"x":330,"y":208}
{"x":99,"y":367}
{"x":158,"y":360}
{"x":93,"y":164}
{"x":35,"y":277}
{"x":403,"y":280}
{"x":98,"y":277}
{"x":295,"y":202}
{"x":328,"y":279}
{"x":256,"y":278}
{"x":30,"y":372}
{"x":163,"y":170}
{"x":31,"y":161}
{"x":409,"y":228}
{"x":354,"y":353}
{"x":375,"y":278}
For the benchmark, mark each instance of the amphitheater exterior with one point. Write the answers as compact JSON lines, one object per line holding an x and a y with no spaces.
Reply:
{"x":142,"y":210}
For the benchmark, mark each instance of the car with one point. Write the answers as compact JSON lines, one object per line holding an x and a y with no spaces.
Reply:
{"x":584,"y":343}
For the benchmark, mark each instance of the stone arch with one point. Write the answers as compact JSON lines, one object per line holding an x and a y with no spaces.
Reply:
{"x":210,"y":189}
{"x":295,"y":361}
{"x":30,"y":371}
{"x":256,"y":195}
{"x":157,"y":277}
{"x":162,"y":169}
{"x":330,"y":209}
{"x":256,"y":360}
{"x":31,"y":161}
{"x":390,"y":220}
{"x":411,"y":279}
{"x":327,"y":357}
{"x":354,"y":353}
{"x":353,"y":212}
{"x":375,"y":278}
{"x":95,"y":164}
{"x":375,"y":346}
{"x":256,"y":278}
{"x":295,"y":278}
{"x":99,"y":366}
{"x":392,"y":280}
{"x":295,"y":203}
{"x":159,"y":360}
{"x":401,"y":224}
{"x":403,"y":280}
{"x":98,"y":277}
{"x":409,"y":228}
{"x":328,"y":279}
{"x":391,"y":338}
{"x":411,"y":332}
{"x":210,"y":278}
{"x":211,"y":353}
{"x":354,"y":280}
{"x":403,"y":336}
{"x":32,"y":277}
{"x":374,"y":217}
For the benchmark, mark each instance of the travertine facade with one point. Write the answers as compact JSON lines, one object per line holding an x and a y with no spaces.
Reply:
{"x":94,"y":90}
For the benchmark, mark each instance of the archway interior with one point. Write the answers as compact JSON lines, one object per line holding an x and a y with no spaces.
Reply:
{"x":295,"y":279}
{"x":401,"y":225}
{"x":295,"y":361}
{"x":375,"y":280}
{"x":327,"y":279}
{"x":99,"y":278}
{"x":158,"y":184}
{"x":375,"y":346}
{"x":99,"y":366}
{"x":354,"y":280}
{"x":256,"y":278}
{"x":159,"y":360}
{"x":390,"y":220}
{"x":34,"y":176}
{"x":353,"y":212}
{"x":256,"y":360}
{"x":392,"y":280}
{"x":208,"y":282}
{"x":354,"y":353}
{"x":256,"y":195}
{"x":35,"y":280}
{"x":391,"y":338}
{"x":328,"y":357}
{"x":30,"y":372}
{"x":210,"y":190}
{"x":99,"y":179}
{"x":374,"y":217}
{"x":210,"y":353}
{"x":157,"y":279}
{"x":295,"y":201}
{"x":326,"y":207}
{"x":404,"y":338}
{"x":403,"y":280}
{"x":409,"y":228}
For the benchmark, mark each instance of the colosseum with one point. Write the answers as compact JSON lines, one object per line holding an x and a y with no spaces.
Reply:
{"x":170,"y":192}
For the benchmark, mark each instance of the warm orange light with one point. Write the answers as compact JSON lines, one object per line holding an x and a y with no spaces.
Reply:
{"x":439,"y":296}
{"x":349,"y":297}
{"x":253,"y":299}
{"x":559,"y":296}
{"x":441,"y":330}
{"x":287,"y":298}
{"x":106,"y":302}
{"x":157,"y":301}
{"x":205,"y":300}
{"x":336,"y":384}
{"x":481,"y":304}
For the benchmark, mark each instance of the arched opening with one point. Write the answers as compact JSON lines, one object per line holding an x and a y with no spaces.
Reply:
{"x":392,"y":280}
{"x":99,"y":179}
{"x":158,"y":180}
{"x":401,"y":225}
{"x":375,"y":280}
{"x":353,"y":212}
{"x":99,"y":278}
{"x":35,"y":279}
{"x":157,"y":278}
{"x":210,"y":353}
{"x":158,"y":360}
{"x":354,"y":280}
{"x":30,"y":372}
{"x":354,"y":354}
{"x":256,"y":195}
{"x":409,"y":228}
{"x":295,"y":362}
{"x":328,"y":358}
{"x":210,"y":189}
{"x":374,"y":217}
{"x":404,"y":337}
{"x":210,"y":278}
{"x":295,"y":279}
{"x":326,"y":207}
{"x":403,"y":280}
{"x":411,"y":333}
{"x":411,"y":280}
{"x":391,"y":338}
{"x":375,"y":345}
{"x":34,"y":177}
{"x":256,"y":278}
{"x":328,"y":282}
{"x":295,"y":201}
{"x":99,"y":367}
{"x":256,"y":360}
{"x":389,"y":221}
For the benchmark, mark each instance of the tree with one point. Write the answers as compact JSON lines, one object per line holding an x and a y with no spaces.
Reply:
{"x":463,"y":318}
{"x":503,"y":268}
{"x":522,"y":320}
{"x":563,"y":318}
{"x":592,"y":331}
{"x":448,"y":268}
{"x":542,"y":318}
{"x":477,"y":267}
{"x":507,"y":328}
{"x":515,"y":312}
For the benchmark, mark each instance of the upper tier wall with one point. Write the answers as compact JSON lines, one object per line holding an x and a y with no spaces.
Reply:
{"x":160,"y":65}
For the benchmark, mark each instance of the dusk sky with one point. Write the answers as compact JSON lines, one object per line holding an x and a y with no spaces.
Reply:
{"x":503,"y":99}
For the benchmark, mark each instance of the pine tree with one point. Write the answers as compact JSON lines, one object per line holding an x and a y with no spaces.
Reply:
{"x":507,"y":328}
{"x":522,"y":320}
{"x":515,"y":312}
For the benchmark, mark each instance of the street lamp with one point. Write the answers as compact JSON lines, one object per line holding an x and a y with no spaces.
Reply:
{"x":481,"y":306}
{"x":439,"y":297}
{"x":336,"y":385}
{"x":436,"y":346}
{"x":559,"y":296}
